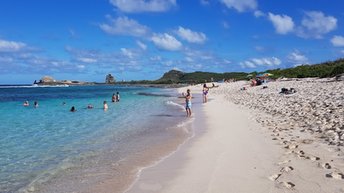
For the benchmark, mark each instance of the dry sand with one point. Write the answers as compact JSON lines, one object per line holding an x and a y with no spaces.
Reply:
{"x":243,"y":146}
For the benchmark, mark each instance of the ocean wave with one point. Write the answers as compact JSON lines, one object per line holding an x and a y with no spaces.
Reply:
{"x":31,"y":86}
{"x":154,"y":94}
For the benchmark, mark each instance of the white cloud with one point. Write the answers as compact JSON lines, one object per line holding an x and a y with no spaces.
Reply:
{"x":260,"y":48}
{"x":315,"y":24}
{"x":6,"y":59}
{"x":282,"y":23}
{"x":166,"y":42}
{"x":141,"y":45}
{"x":81,"y":67}
{"x":155,"y":58}
{"x":247,"y":64}
{"x":127,"y":53}
{"x":137,"y":6}
{"x":11,"y":46}
{"x":337,"y":41}
{"x":255,"y":62}
{"x":225,"y":25}
{"x":191,"y":36}
{"x":241,"y":5}
{"x":87,"y":60}
{"x":204,"y":2}
{"x":189,"y":59}
{"x":124,"y":26}
{"x":258,"y":13}
{"x":297,"y":58}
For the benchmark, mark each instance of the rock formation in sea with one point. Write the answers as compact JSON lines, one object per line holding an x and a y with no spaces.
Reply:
{"x":110,"y":79}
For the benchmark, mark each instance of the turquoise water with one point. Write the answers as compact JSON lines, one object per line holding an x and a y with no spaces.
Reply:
{"x":36,"y":143}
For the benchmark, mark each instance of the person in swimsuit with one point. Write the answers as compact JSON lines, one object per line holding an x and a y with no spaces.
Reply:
{"x":73,"y":109}
{"x":205,"y":93}
{"x":188,"y":103}
{"x":117,"y":97}
{"x":26,"y":104}
{"x":113,"y":99}
{"x":105,"y":106}
{"x":35,"y":104}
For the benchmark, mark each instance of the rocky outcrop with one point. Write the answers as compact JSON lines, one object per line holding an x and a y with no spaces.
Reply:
{"x":47,"y":79}
{"x":110,"y":79}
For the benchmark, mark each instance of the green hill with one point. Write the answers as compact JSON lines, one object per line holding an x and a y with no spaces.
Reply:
{"x":326,"y":69}
{"x":175,"y":76}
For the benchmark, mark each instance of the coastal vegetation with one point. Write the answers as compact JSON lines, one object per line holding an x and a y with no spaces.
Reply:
{"x":322,"y":70}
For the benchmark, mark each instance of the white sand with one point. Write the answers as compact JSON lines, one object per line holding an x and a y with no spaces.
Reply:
{"x":231,"y":155}
{"x":232,"y":152}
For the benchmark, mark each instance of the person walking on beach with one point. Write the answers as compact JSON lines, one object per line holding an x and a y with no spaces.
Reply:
{"x":205,"y":93}
{"x":188,"y":103}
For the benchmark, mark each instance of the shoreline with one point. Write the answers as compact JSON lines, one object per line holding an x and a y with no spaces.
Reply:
{"x":200,"y":164}
{"x":276,"y":158}
{"x":104,"y":172}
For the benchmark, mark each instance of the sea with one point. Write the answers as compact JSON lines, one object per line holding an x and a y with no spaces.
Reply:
{"x":51,"y":149}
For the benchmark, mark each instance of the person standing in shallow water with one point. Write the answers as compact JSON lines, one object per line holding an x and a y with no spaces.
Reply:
{"x":117,"y":97}
{"x":105,"y":106}
{"x":113,"y":99}
{"x":188,"y":103}
{"x":73,"y":109}
{"x":36,"y":104}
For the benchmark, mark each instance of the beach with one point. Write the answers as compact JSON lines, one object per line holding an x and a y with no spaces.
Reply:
{"x":255,"y":139}
{"x":258,"y":140}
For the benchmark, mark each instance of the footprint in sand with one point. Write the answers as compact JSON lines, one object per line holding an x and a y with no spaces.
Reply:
{"x":307,"y":141}
{"x":274,"y":177}
{"x":313,"y":158}
{"x":324,"y":165}
{"x":291,"y":146}
{"x":335,"y":175}
{"x":288,"y":185}
{"x":287,"y":169}
{"x":284,"y":162}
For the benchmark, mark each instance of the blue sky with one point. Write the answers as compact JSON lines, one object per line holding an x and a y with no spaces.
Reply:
{"x":142,"y":39}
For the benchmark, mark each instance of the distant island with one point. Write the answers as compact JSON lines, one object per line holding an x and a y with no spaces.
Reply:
{"x":48,"y":80}
{"x":176,"y":77}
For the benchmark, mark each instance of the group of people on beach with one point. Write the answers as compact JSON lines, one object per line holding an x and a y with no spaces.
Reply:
{"x":115,"y":98}
{"x":188,"y":98}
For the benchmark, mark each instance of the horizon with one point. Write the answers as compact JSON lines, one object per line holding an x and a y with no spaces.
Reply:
{"x":143,"y":39}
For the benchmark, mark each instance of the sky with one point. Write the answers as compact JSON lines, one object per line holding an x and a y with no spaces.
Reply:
{"x":142,"y":39}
